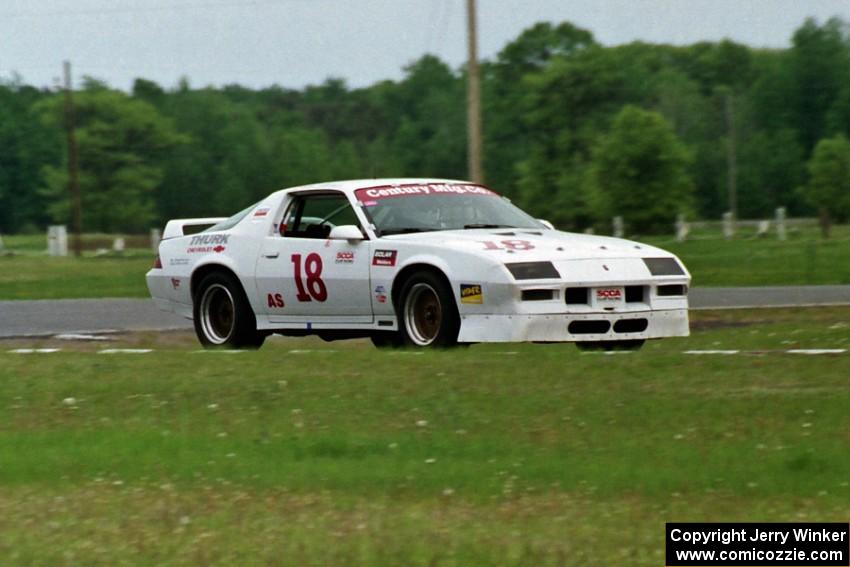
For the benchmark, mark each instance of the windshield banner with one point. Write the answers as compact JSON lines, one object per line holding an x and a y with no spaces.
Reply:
{"x":368,"y":196}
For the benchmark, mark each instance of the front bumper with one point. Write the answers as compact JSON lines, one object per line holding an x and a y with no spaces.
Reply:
{"x":560,"y":327}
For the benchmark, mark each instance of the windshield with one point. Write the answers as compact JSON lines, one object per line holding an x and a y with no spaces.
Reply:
{"x":402,"y":209}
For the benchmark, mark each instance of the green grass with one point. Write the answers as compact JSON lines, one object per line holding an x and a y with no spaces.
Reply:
{"x":26,"y":272}
{"x":41,"y":277}
{"x":804,"y":259}
{"x":311,"y":454}
{"x":764,"y":262}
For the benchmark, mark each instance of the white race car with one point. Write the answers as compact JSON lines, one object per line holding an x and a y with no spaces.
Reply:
{"x":422,"y":262}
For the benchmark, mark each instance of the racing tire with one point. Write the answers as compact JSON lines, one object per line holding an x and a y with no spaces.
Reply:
{"x":223,"y":316}
{"x":428,"y":315}
{"x":626,"y":345}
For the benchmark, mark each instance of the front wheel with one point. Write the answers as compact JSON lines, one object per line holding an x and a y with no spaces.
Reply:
{"x":222,"y":314}
{"x":428,"y":312}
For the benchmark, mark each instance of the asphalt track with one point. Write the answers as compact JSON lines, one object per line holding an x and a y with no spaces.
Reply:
{"x":50,"y":317}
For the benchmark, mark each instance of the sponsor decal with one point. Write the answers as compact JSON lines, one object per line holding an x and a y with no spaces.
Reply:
{"x":346,"y":257}
{"x":261,"y":213}
{"x":471,"y":293}
{"x":175,"y":283}
{"x":275,"y":301}
{"x":380,"y":294}
{"x":178,"y":262}
{"x":384,"y":257}
{"x":369,"y":197}
{"x":203,"y":243}
{"x":609,"y":294}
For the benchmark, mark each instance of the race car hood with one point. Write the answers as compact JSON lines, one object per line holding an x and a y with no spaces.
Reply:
{"x":534,"y":245}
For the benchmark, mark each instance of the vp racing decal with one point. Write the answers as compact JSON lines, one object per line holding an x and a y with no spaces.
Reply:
{"x":471,"y":293}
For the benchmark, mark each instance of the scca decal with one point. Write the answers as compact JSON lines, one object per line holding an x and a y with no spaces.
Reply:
{"x":384,"y":257}
{"x":275,"y":301}
{"x":471,"y":293}
{"x":345,"y":257}
{"x":609,"y":294}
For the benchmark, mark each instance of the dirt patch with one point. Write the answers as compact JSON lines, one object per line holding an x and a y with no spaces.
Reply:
{"x":92,"y":342}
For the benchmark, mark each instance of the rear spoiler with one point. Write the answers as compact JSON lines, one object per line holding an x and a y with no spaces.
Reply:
{"x":178,"y":227}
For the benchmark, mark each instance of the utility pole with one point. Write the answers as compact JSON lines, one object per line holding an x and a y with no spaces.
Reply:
{"x":731,"y":157}
{"x":473,"y":98}
{"x":73,"y":182}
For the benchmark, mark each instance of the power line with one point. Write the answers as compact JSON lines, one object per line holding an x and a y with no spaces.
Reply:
{"x":429,"y":29}
{"x":73,"y":182}
{"x":444,"y":21}
{"x":473,"y":97}
{"x":132,"y":10}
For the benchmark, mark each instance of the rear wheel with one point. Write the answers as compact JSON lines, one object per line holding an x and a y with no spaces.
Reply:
{"x":634,"y":344}
{"x":428,"y":312}
{"x":222,"y":314}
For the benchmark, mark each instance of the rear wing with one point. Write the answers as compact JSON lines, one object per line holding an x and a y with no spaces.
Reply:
{"x":182,"y":227}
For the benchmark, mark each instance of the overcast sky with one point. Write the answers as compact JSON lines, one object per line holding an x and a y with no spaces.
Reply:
{"x":297,"y":42}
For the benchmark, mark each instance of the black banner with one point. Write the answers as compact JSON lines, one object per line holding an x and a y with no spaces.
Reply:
{"x":763,"y":545}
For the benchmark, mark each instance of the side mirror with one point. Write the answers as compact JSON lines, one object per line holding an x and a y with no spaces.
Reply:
{"x":345,"y":232}
{"x":546,"y":223}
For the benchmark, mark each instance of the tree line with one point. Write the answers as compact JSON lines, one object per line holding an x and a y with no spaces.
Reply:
{"x":574,"y":131}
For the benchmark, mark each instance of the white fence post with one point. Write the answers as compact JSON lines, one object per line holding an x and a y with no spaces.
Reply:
{"x":682,"y":228}
{"x":156,"y":238}
{"x":618,"y":227}
{"x":118,"y":245}
{"x":57,"y":240}
{"x":728,"y":225}
{"x":780,"y":223}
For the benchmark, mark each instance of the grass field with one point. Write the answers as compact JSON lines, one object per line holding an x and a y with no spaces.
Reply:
{"x":805,"y":259}
{"x":307,"y":453}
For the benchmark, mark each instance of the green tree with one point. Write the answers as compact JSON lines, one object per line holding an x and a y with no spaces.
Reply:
{"x":771,"y":168}
{"x":565,"y":106}
{"x":227,"y":161}
{"x":26,"y":146}
{"x":640,"y":171}
{"x":828,"y":188}
{"x":507,"y":135}
{"x":121,"y":142}
{"x":819,"y":63}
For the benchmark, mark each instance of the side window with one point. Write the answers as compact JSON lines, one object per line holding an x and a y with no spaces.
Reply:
{"x":313,"y":216}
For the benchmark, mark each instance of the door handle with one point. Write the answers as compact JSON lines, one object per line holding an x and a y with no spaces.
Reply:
{"x":272,"y":255}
